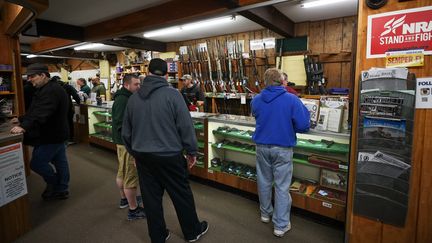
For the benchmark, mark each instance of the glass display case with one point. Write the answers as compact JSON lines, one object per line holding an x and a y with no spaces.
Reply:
{"x":200,"y":123}
{"x":100,"y":125}
{"x":320,"y":163}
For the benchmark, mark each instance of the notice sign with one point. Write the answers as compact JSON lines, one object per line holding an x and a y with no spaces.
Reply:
{"x":423,"y":93}
{"x":12,"y":174}
{"x":414,"y":58}
{"x":407,"y":29}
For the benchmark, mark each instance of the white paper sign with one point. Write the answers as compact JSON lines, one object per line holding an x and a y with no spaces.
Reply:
{"x":424,"y":93}
{"x":183,"y":50}
{"x":243,"y":99}
{"x":256,"y":44}
{"x":202,"y":46}
{"x":269,"y":43}
{"x":12,"y":174}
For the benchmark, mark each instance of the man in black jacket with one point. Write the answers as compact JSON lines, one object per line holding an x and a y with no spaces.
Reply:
{"x":157,"y":127}
{"x":72,"y":93}
{"x":45,"y":127}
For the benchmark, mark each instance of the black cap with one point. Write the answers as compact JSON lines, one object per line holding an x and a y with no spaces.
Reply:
{"x":158,"y":67}
{"x":36,"y":68}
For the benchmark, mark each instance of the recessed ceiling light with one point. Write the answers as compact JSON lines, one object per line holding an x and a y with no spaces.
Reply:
{"x":311,"y":4}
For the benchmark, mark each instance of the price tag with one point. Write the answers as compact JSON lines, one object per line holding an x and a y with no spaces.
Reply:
{"x":243,"y":99}
{"x":210,"y":171}
{"x":201,"y":134}
{"x":219,"y":145}
{"x":327,"y":205}
{"x":343,"y":167}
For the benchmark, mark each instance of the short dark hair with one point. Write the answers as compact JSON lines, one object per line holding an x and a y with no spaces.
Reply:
{"x":128,"y":78}
{"x":83,"y":80}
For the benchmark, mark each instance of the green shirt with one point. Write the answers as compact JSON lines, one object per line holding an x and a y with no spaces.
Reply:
{"x":86,"y":89}
{"x":99,"y":89}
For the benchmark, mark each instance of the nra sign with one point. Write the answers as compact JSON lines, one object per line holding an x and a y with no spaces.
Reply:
{"x":400,"y":30}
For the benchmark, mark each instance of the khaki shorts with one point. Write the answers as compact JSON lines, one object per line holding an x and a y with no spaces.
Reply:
{"x":126,"y":171}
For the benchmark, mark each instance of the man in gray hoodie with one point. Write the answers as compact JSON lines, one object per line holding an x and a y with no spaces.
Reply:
{"x":157,"y":127}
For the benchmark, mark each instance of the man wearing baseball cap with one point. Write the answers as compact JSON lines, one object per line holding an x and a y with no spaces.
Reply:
{"x":45,"y":127}
{"x":157,"y":128}
{"x":191,"y":92}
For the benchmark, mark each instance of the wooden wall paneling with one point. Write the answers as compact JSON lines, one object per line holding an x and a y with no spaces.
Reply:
{"x":301,"y":29}
{"x":333,"y":36}
{"x":347,"y":30}
{"x":316,"y":36}
{"x":346,"y":75}
{"x":424,"y":223}
{"x":332,"y":72}
{"x":418,"y":224}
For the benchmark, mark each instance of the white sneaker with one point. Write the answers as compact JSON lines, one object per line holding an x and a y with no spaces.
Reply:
{"x":265,"y":219}
{"x":281,"y":233}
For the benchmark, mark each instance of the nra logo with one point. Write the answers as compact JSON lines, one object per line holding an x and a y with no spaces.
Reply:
{"x":400,"y":30}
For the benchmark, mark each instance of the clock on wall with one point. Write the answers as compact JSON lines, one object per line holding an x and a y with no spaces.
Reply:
{"x":375,"y":4}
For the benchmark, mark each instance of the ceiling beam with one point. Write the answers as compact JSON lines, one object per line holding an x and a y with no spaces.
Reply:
{"x":56,"y":30}
{"x":137,"y":43}
{"x":72,"y":54}
{"x":271,"y":18}
{"x":17,"y":14}
{"x":50,"y":44}
{"x":163,"y":15}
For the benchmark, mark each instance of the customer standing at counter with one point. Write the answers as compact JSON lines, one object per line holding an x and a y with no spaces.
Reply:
{"x":127,"y":176}
{"x":45,"y":127}
{"x":82,"y":83}
{"x":279,"y":116}
{"x":98,"y":87}
{"x":157,"y":127}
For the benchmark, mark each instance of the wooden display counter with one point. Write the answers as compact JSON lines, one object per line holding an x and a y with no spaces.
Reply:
{"x":14,"y":215}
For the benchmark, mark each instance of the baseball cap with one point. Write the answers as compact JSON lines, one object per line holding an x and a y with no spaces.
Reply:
{"x":186,"y":76}
{"x":36,"y":68}
{"x":158,"y":66}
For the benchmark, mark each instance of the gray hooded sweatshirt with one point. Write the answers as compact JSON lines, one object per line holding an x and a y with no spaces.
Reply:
{"x":157,"y":121}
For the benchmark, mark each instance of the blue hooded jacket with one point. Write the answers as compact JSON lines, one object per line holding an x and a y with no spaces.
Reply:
{"x":279,"y":116}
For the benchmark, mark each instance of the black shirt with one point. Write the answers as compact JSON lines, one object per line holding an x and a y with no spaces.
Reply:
{"x":192,"y":95}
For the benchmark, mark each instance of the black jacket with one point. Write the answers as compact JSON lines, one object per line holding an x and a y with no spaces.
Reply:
{"x":45,"y":122}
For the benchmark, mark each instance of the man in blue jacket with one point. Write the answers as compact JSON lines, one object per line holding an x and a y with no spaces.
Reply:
{"x":279,"y":116}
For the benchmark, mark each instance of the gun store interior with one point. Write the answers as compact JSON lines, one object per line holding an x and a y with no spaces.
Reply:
{"x":306,"y":120}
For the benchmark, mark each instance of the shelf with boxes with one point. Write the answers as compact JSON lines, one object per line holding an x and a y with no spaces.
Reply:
{"x":99,"y":125}
{"x":137,"y":69}
{"x":8,"y":96}
{"x":320,"y":164}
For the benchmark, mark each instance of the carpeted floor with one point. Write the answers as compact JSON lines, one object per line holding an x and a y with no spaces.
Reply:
{"x":91,"y":214}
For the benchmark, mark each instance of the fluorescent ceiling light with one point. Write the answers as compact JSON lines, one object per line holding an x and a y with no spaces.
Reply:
{"x":191,"y":26}
{"x":88,"y":46}
{"x":317,"y":3}
{"x":208,"y":23}
{"x":166,"y":31}
{"x":31,"y":56}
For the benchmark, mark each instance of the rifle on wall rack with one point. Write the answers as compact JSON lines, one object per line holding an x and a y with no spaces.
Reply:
{"x":255,"y":72}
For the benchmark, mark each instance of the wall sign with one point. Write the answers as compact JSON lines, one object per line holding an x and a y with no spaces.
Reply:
{"x":399,"y":30}
{"x":413,"y":58}
{"x":12,"y":174}
{"x":424,"y":93}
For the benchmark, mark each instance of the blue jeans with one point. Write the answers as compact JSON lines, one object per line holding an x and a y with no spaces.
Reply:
{"x":50,"y":162}
{"x":274,"y":164}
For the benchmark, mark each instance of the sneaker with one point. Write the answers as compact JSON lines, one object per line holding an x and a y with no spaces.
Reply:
{"x":55,"y":196}
{"x":123,"y":203}
{"x":204,"y":229}
{"x":265,"y":218}
{"x":281,"y":233}
{"x":138,"y":213}
{"x":168,"y":235}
